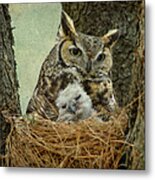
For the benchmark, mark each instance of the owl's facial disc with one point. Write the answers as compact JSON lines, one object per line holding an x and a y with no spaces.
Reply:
{"x":75,"y":51}
{"x":100,"y":57}
{"x":102,"y":62}
{"x":72,"y":55}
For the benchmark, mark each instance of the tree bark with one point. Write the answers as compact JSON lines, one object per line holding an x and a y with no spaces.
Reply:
{"x":96,"y":18}
{"x":9,"y":98}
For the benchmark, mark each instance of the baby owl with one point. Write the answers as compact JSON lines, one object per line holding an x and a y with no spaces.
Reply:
{"x":73,"y":103}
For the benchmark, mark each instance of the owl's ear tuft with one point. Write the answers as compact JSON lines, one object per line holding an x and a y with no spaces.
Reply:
{"x":110,"y":38}
{"x":67,"y":27}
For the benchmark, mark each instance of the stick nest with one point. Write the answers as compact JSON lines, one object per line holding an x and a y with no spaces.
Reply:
{"x":38,"y":142}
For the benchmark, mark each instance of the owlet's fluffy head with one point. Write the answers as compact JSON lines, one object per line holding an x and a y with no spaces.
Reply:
{"x":88,"y":53}
{"x":73,"y":103}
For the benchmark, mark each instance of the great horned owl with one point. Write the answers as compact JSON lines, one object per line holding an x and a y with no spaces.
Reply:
{"x":75,"y":56}
{"x":73,"y":103}
{"x":91,"y":53}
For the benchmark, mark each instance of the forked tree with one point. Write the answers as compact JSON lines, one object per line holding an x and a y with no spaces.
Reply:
{"x":94,"y":18}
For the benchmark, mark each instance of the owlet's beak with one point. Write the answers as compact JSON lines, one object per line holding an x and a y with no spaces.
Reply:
{"x":72,"y":109}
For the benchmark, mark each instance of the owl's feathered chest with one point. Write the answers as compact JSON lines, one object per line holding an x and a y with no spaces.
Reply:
{"x":50,"y":83}
{"x":100,"y":90}
{"x":58,"y":79}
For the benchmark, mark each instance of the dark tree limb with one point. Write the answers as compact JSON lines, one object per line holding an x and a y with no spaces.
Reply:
{"x":9,"y":98}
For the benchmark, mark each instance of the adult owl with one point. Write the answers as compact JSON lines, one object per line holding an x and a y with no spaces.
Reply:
{"x":75,"y":57}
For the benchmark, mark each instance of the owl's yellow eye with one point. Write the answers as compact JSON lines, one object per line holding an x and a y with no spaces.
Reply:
{"x":100,"y":57}
{"x":74,"y":51}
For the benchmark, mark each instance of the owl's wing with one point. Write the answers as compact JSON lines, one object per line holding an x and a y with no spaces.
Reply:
{"x":49,"y":85}
{"x":39,"y":104}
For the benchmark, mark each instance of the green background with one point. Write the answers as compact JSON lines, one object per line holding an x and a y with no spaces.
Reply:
{"x":36,"y":26}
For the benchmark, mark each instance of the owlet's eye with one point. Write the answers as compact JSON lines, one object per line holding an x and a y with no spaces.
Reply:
{"x":64,"y":106}
{"x":100,"y":57}
{"x":74,"y":51}
{"x":78,"y":97}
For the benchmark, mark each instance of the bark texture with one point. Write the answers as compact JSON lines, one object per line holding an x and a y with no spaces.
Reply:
{"x":9,"y":98}
{"x":96,"y":18}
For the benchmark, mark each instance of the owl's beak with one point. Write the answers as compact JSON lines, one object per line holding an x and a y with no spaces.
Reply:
{"x":89,"y":66}
{"x":72,"y":109}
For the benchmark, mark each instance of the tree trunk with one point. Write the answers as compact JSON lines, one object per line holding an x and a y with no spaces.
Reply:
{"x":9,"y":98}
{"x":96,"y":18}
